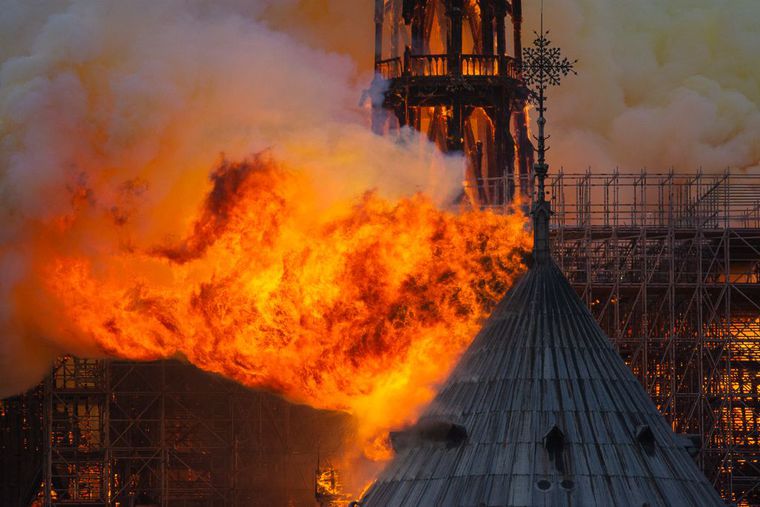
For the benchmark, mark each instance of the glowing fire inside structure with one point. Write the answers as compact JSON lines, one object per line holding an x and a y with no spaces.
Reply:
{"x":446,"y":71}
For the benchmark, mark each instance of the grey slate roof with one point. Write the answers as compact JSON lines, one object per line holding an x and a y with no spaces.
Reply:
{"x":546,"y":402}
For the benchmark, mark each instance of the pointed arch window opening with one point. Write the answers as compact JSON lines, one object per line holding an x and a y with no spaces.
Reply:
{"x":554,"y":443}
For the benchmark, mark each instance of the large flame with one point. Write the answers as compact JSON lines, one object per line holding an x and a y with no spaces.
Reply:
{"x":360,"y":306}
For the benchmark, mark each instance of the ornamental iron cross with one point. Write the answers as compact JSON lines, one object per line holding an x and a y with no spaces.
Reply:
{"x":543,"y":66}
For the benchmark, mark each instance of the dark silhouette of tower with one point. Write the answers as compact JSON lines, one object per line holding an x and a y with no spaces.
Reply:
{"x":446,"y":69}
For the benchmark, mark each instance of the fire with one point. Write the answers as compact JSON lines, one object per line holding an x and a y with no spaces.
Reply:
{"x":329,"y":488}
{"x":357,"y":305}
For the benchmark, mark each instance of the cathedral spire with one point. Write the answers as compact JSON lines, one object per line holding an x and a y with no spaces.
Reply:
{"x":542,"y":66}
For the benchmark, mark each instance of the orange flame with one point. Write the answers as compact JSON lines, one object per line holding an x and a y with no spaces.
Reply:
{"x":360,"y":306}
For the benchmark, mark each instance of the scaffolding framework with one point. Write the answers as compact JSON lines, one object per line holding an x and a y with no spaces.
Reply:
{"x":120,"y":433}
{"x":669,"y":265}
{"x":21,"y":447}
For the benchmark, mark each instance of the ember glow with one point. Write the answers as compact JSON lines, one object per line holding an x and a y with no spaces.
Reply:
{"x":363,"y":305}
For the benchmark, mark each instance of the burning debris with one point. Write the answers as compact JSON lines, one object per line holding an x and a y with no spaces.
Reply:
{"x":328,"y":487}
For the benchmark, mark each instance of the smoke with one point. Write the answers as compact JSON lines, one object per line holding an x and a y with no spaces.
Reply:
{"x":112,"y":115}
{"x":660,"y":84}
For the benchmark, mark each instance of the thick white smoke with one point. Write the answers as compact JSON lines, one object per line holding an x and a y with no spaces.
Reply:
{"x":107,"y":105}
{"x":661,"y":84}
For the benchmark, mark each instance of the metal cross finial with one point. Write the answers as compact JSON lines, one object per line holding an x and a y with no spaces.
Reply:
{"x":542,"y":66}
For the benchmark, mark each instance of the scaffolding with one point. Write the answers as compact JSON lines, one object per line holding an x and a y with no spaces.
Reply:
{"x":669,"y":264}
{"x":21,"y":446}
{"x":120,"y":433}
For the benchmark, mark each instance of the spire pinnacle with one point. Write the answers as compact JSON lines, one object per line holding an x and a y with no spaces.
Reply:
{"x":542,"y":66}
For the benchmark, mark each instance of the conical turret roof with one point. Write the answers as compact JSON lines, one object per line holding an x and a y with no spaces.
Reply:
{"x":541,"y":410}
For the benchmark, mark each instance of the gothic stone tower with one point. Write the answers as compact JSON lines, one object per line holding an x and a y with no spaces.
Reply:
{"x":447,"y":70}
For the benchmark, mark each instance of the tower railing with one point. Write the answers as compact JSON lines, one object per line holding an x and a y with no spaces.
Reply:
{"x":440,"y":65}
{"x":427,"y":65}
{"x":389,"y":69}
